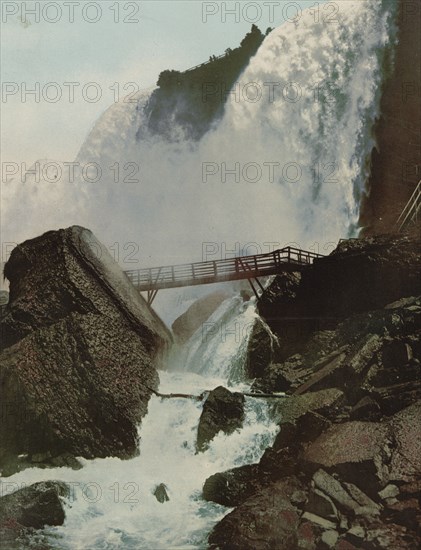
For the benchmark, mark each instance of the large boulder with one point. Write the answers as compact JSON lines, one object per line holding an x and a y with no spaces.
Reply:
{"x":191,"y":320}
{"x":360,"y":275}
{"x":267,"y":520}
{"x":261,"y":350}
{"x":80,"y":351}
{"x":222,"y":411}
{"x":35,"y":506}
{"x":232,"y":487}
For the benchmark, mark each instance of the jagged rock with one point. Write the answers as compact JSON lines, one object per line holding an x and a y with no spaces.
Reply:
{"x":319,"y":520}
{"x":386,"y":268}
{"x":285,"y":376}
{"x":260,"y":351}
{"x":264,"y":521}
{"x":35,"y":506}
{"x":326,"y":402}
{"x":222,"y":411}
{"x":390,"y":491}
{"x":366,"y":409}
{"x":322,"y":505}
{"x":371,"y":453}
{"x":234,"y":486}
{"x":355,"y":450}
{"x":405,"y":462}
{"x":333,"y":488}
{"x":161,"y":494}
{"x":191,"y":320}
{"x":81,"y":350}
{"x":330,"y":538}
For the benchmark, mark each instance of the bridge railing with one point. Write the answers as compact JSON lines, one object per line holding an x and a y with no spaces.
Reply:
{"x":219,"y":270}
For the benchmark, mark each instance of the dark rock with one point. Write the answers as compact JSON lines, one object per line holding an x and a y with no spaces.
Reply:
{"x":222,"y":411}
{"x":322,"y":505}
{"x":355,"y":450}
{"x":81,"y":350}
{"x":186,"y":104}
{"x":366,"y":409}
{"x":394,"y":398}
{"x":186,"y":324}
{"x":326,"y":402}
{"x":35,"y":506}
{"x":284,"y":377}
{"x":260,"y":351}
{"x":386,"y":268}
{"x":405,"y":462}
{"x":161,"y":494}
{"x":404,"y":512}
{"x":234,"y":486}
{"x":397,"y":128}
{"x":265,"y":521}
{"x":335,"y":490}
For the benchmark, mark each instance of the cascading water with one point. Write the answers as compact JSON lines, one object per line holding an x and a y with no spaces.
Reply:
{"x":112,"y":503}
{"x":308,"y":143}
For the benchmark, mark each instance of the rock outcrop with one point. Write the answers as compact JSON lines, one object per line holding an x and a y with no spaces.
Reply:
{"x":80,"y":351}
{"x":349,"y":439}
{"x":35,"y":506}
{"x":396,"y":158}
{"x":222,"y":411}
{"x":192,"y":319}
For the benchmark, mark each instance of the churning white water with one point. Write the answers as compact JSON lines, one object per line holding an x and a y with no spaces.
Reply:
{"x":112,"y":503}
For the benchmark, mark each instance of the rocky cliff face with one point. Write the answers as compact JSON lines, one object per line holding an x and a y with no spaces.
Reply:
{"x":186,"y":104}
{"x":344,"y":471}
{"x":396,"y":160}
{"x":80,"y":349}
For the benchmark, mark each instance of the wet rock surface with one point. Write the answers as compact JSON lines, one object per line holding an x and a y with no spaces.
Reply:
{"x":34,"y":506}
{"x":350,"y":431}
{"x":191,"y":320}
{"x":80,"y":351}
{"x":222,"y":411}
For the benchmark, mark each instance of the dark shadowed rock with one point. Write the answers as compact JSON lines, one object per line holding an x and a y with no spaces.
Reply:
{"x":191,"y":320}
{"x":81,"y":350}
{"x":265,"y":521}
{"x":355,"y":450}
{"x":366,"y":409}
{"x":35,"y":506}
{"x":161,"y":494}
{"x":386,"y":268}
{"x":234,"y":486}
{"x":261,"y":350}
{"x":222,"y":411}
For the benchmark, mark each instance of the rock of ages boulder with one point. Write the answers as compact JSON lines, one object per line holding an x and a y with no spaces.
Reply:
{"x":35,"y":506}
{"x":222,"y":411}
{"x":81,"y":350}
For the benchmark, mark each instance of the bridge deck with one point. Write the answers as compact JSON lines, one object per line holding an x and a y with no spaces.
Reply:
{"x":232,"y":269}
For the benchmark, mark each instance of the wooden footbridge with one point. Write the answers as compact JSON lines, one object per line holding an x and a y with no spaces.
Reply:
{"x":152,"y":279}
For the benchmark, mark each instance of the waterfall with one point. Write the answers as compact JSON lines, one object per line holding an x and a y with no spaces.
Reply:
{"x":299,"y":154}
{"x":112,"y":503}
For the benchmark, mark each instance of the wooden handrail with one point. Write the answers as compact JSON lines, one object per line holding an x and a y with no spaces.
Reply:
{"x":243,"y":267}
